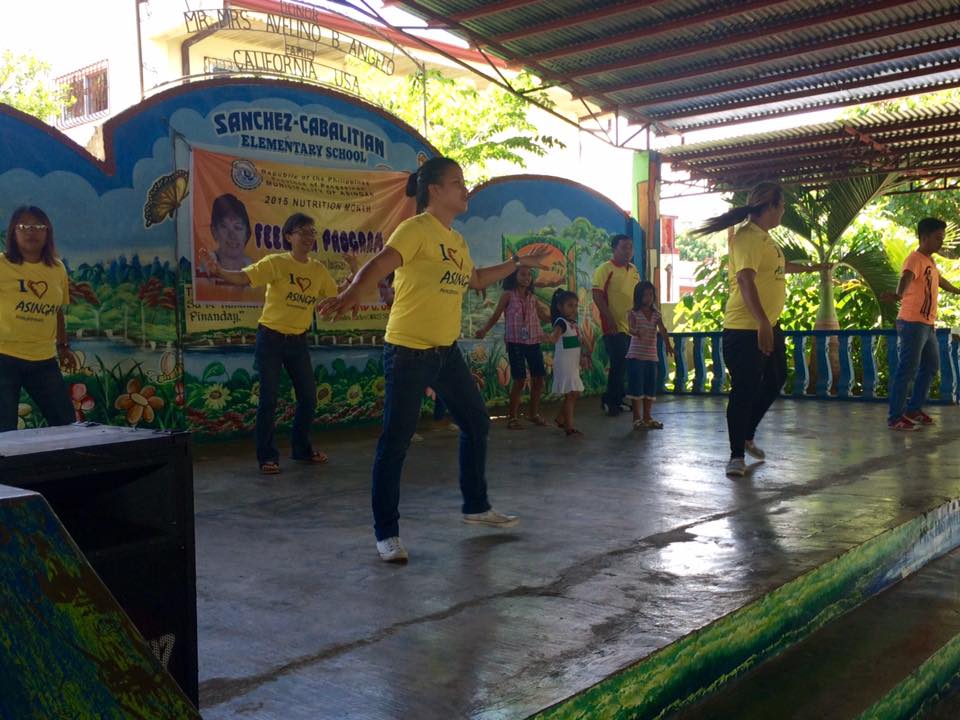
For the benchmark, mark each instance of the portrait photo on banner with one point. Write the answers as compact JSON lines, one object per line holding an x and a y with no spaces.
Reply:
{"x":239,"y":207}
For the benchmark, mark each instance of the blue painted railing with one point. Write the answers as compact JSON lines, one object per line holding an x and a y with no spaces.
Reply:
{"x":860,"y":366}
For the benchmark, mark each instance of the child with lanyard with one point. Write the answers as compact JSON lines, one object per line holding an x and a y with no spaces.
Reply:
{"x":566,"y":356}
{"x":523,"y":334}
{"x":643,"y":362}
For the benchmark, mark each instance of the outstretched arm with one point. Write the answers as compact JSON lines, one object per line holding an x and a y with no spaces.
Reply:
{"x":949,"y":287}
{"x":231,"y":277}
{"x":792,"y":267}
{"x":486,"y":276}
{"x":497,"y":312}
{"x":364,"y":282}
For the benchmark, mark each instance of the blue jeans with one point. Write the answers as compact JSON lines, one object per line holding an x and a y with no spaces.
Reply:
{"x":274,"y":351}
{"x":408,"y":373}
{"x":42,"y":381}
{"x":918,"y":347}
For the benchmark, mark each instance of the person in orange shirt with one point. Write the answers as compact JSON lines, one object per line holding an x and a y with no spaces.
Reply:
{"x":919,"y":357}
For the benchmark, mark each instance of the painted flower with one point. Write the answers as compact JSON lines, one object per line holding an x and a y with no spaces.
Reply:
{"x":216,"y":396}
{"x":82,"y":402}
{"x":139,"y":402}
{"x":23,"y":412}
{"x":255,"y":393}
{"x":503,"y":372}
{"x":479,"y":354}
{"x":354,"y":394}
{"x":178,"y":393}
{"x":379,"y":386}
{"x":324,"y":394}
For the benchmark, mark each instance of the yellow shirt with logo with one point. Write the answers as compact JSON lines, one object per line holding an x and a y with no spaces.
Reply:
{"x":753,"y":248}
{"x":618,"y":282}
{"x":429,"y":285}
{"x":31,"y":295}
{"x":293,"y":290}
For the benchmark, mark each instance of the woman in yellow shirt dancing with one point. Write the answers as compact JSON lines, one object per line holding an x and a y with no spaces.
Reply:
{"x":433,"y":270}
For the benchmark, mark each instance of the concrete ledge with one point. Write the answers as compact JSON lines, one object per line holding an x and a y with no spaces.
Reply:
{"x":701,"y":661}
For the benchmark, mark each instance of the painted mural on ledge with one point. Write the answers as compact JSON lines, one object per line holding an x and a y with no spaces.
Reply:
{"x":147,"y":353}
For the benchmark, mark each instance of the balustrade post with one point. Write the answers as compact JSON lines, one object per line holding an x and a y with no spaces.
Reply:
{"x":868,"y":346}
{"x":662,"y":361}
{"x":680,"y":378}
{"x":845,"y":381}
{"x":800,"y":372}
{"x":716,"y":344}
{"x":699,"y":364}
{"x":948,"y":379}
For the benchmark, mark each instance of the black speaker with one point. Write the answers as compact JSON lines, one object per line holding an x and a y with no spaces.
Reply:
{"x":126,"y":497}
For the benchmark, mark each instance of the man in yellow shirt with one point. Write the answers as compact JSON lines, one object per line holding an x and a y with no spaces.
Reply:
{"x":295,"y":285}
{"x":613,"y":284}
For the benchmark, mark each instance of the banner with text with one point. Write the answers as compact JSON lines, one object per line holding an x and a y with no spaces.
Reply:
{"x":240,"y":206}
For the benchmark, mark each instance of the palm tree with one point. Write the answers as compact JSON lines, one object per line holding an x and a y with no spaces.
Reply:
{"x":818,"y":219}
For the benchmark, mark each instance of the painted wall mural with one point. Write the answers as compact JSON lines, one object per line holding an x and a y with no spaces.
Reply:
{"x":147,"y":352}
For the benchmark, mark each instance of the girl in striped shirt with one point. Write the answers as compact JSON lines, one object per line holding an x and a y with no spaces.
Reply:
{"x":643,"y":361}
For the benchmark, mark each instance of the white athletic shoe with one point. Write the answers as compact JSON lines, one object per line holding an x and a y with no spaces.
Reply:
{"x":737,"y":467}
{"x":491,"y":518}
{"x":753,"y":450}
{"x":417,"y":437}
{"x":392,"y":550}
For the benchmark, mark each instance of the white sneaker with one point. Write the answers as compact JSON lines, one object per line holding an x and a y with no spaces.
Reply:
{"x":753,"y":450}
{"x":491,"y":518}
{"x":392,"y":550}
{"x":417,"y":437}
{"x":736,"y":467}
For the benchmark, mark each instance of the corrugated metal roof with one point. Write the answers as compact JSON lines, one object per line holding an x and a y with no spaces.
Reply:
{"x":691,"y":64}
{"x":912,"y":144}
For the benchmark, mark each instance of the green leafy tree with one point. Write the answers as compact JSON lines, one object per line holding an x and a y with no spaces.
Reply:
{"x":26,"y":85}
{"x":472,"y":126}
{"x":819,"y":221}
{"x":697,"y":247}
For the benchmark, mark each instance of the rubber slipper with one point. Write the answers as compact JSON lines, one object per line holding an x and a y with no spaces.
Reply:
{"x":269,"y":468}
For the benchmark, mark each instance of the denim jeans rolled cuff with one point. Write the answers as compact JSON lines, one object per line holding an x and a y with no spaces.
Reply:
{"x":918,"y":362}
{"x":273,"y":352}
{"x":45,"y":385}
{"x":407,"y":374}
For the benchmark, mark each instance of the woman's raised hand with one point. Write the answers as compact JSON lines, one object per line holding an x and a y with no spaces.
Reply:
{"x":339,"y":305}
{"x":213,"y":267}
{"x":537,"y":258}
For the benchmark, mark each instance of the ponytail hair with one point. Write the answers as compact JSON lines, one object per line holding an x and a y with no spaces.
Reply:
{"x":761,"y":197}
{"x":560,"y":296}
{"x":430,"y":173}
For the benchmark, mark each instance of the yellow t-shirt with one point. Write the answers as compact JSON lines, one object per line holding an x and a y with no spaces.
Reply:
{"x":31,"y":294}
{"x":429,"y":285}
{"x":753,"y":248}
{"x":618,"y":282}
{"x":293,"y":290}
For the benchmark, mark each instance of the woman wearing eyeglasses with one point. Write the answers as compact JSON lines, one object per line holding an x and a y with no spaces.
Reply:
{"x":33,"y":290}
{"x":295,"y":283}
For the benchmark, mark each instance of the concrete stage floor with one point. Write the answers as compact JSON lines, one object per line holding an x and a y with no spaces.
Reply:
{"x":628,"y":541}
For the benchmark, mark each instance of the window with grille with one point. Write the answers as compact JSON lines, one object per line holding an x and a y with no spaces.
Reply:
{"x":88,"y":89}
